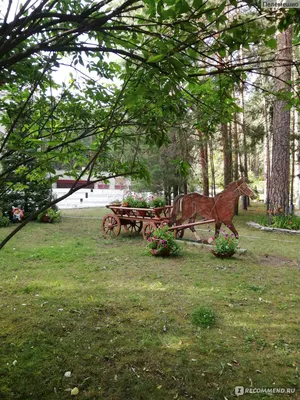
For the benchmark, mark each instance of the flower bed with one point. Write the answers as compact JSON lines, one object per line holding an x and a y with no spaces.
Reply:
{"x":163,"y":243}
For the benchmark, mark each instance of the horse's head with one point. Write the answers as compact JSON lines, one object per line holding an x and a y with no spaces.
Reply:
{"x":245,"y":190}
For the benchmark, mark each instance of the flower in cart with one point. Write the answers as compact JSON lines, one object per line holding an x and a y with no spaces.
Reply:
{"x":135,"y":200}
{"x":156,"y":201}
{"x":163,"y":243}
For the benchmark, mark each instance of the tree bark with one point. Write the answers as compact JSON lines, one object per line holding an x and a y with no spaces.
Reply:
{"x":267,"y":156}
{"x":204,"y":163}
{"x":212,"y":168}
{"x":226,"y":154}
{"x":245,"y":199}
{"x":236,"y":157}
{"x":280,"y":172}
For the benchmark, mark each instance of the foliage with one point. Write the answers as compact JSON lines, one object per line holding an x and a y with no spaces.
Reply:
{"x":117,"y":108}
{"x":281,"y":221}
{"x":34,"y":195}
{"x":203,"y":316}
{"x":163,"y":240}
{"x":225,"y":243}
{"x":51,"y":215}
{"x":157,"y":201}
{"x":4,"y":221}
{"x":135,"y":200}
{"x":70,"y":296}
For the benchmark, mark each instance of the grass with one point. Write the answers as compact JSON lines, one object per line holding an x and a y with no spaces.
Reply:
{"x":121,"y":320}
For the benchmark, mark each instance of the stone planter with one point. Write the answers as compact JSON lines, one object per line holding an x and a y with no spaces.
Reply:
{"x":161,"y":253}
{"x":223,"y":255}
{"x":45,"y":218}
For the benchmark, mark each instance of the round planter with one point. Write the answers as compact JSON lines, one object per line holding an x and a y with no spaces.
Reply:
{"x":160,"y":253}
{"x":45,"y":218}
{"x":223,"y":255}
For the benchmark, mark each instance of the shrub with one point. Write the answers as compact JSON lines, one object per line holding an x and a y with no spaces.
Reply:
{"x":157,"y":201}
{"x":135,"y":201}
{"x":49,"y":215}
{"x":281,"y":221}
{"x":163,"y":242}
{"x":204,"y":317}
{"x":4,"y":221}
{"x":225,"y":243}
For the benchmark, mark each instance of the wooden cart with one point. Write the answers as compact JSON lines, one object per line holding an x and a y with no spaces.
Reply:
{"x":145,"y":220}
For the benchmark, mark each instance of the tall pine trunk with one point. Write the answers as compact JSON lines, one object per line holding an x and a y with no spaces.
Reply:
{"x":267,"y":155}
{"x":297,"y":161}
{"x":204,"y":163}
{"x":280,"y":172}
{"x":245,"y":155}
{"x":226,"y":153}
{"x":236,"y":157}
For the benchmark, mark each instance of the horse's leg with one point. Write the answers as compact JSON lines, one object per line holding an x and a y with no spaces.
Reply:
{"x":230,"y":226}
{"x":192,"y":228}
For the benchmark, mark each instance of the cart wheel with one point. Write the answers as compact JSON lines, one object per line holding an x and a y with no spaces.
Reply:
{"x":111,"y":225}
{"x":133,"y":227}
{"x":179,"y":233}
{"x":148,"y":229}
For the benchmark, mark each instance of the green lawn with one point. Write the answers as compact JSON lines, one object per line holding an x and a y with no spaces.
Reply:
{"x":121,"y":320}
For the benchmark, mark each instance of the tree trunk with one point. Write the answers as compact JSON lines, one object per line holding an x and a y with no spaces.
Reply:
{"x":212,"y":168}
{"x":236,"y":157}
{"x":297,"y":161}
{"x":245,"y":163}
{"x":236,"y":149}
{"x":185,"y":187}
{"x":280,"y":173}
{"x":204,"y":163}
{"x":267,"y":156}
{"x":226,"y":154}
{"x":293,"y":161}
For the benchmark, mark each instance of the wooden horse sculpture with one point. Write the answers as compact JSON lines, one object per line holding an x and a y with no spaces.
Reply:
{"x":220,"y":208}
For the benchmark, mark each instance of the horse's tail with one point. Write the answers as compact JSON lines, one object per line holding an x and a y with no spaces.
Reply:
{"x":176,"y":209}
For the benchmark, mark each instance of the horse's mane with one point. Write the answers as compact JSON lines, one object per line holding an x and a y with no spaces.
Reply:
{"x":233,"y":185}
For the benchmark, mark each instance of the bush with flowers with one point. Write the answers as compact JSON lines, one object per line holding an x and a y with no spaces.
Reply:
{"x":225,"y":245}
{"x":277,"y":219}
{"x":163,"y":242}
{"x":156,"y":201}
{"x":50,"y":215}
{"x":136,"y":200}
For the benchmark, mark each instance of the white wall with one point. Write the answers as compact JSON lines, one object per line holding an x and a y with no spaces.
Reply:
{"x":85,"y":198}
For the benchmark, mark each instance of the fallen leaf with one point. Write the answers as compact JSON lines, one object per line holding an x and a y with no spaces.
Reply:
{"x":74,"y":391}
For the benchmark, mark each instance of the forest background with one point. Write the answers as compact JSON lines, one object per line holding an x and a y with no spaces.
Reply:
{"x":176,"y":94}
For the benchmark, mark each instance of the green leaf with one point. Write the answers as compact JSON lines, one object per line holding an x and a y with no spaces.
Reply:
{"x":197,"y":4}
{"x":156,"y":58}
{"x":220,"y":8}
{"x":271,"y":30}
{"x":272,"y":43}
{"x":182,"y":7}
{"x":222,"y":52}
